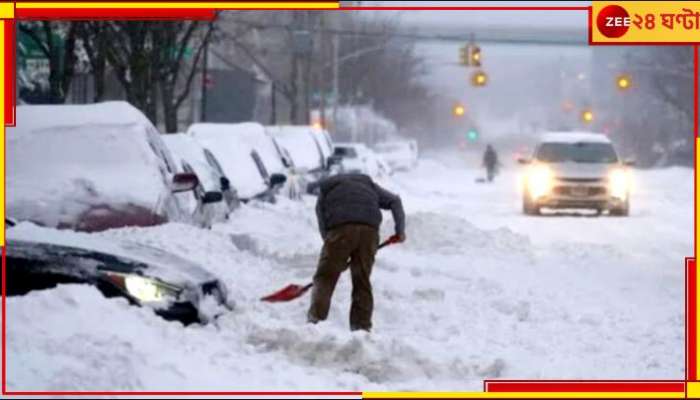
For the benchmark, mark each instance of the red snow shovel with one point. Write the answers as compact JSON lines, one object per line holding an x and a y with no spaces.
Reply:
{"x":292,"y":291}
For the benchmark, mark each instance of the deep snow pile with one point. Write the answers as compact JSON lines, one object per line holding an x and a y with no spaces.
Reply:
{"x":479,"y":291}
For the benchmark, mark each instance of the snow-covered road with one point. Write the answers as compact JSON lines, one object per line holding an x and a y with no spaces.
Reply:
{"x":478,"y":291}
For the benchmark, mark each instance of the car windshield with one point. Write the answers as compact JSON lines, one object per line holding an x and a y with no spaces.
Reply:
{"x":345,"y":152}
{"x":580,"y":152}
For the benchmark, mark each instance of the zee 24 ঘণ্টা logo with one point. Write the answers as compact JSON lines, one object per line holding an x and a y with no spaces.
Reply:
{"x":613,"y":21}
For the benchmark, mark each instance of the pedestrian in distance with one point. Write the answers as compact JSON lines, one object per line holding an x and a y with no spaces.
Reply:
{"x":490,"y":162}
{"x":349,"y":215}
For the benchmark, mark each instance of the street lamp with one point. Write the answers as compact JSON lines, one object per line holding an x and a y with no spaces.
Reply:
{"x":458,"y":110}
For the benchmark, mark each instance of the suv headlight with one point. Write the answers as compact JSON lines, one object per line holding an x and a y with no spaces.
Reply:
{"x":539,"y":181}
{"x":619,"y":183}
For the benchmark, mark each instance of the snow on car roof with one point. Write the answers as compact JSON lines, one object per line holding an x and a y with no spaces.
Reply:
{"x":35,"y":117}
{"x":162,"y":264}
{"x":300,"y":143}
{"x":573,"y":137}
{"x":233,"y":154}
{"x":62,"y":160}
{"x":254,"y":135}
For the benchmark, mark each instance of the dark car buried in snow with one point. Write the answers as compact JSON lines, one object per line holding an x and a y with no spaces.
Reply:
{"x":40,"y":258}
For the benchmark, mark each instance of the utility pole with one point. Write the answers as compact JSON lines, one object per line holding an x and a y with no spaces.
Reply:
{"x":205,"y":79}
{"x":273,"y":113}
{"x":322,"y":80}
{"x":336,"y":50}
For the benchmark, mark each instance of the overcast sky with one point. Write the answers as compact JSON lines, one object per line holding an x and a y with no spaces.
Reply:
{"x":521,"y":75}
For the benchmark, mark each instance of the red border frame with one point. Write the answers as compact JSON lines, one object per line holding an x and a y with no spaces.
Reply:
{"x":620,"y":386}
{"x":489,"y":385}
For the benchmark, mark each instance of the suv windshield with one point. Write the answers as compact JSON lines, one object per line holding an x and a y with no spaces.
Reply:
{"x":580,"y":152}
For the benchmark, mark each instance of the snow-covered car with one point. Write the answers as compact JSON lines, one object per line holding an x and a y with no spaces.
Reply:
{"x":400,"y":155}
{"x":214,"y":198}
{"x":576,"y":170}
{"x":358,"y":158}
{"x":90,"y":168}
{"x":240,"y":160}
{"x":304,"y":146}
{"x":323,"y":138}
{"x":271,"y":161}
{"x":39,"y":258}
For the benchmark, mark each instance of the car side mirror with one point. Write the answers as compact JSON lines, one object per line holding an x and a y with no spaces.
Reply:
{"x":212,"y":197}
{"x":225,"y":183}
{"x":524,"y":161}
{"x":630,"y":162}
{"x":334,"y":160}
{"x":184,"y":182}
{"x":277,"y":179}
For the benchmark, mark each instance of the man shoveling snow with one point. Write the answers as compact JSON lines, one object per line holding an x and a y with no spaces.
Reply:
{"x":349,"y":215}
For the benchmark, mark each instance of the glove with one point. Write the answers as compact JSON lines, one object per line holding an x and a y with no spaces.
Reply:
{"x":398,"y":238}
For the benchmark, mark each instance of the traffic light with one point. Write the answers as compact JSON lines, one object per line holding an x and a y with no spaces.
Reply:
{"x":475,"y":56}
{"x":458,"y":110}
{"x":479,"y":78}
{"x":464,"y":55}
{"x":472,"y":135}
{"x":587,"y":116}
{"x":623,"y":82}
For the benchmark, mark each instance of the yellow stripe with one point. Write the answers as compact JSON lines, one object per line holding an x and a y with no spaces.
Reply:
{"x":238,"y":5}
{"x":529,"y":395}
{"x":693,"y":390}
{"x":7,"y":10}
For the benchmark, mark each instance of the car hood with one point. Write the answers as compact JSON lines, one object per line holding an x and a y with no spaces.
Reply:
{"x":575,"y":170}
{"x":140,"y":258}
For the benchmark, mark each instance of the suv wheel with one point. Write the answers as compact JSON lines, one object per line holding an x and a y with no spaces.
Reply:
{"x":530,"y":208}
{"x":622,"y":211}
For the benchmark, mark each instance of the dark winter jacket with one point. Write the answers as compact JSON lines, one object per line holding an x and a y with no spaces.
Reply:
{"x":490,"y":158}
{"x":355,"y":198}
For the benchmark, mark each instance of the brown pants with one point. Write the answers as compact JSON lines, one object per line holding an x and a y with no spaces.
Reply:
{"x":355,"y":242}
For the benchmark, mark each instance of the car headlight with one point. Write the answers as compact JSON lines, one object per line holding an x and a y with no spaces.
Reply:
{"x":145,"y":290}
{"x":619,"y":183}
{"x":539,"y":181}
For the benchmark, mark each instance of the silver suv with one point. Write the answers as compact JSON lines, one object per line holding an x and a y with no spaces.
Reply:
{"x":576,"y":170}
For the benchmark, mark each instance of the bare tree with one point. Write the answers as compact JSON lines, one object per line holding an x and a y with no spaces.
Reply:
{"x":56,"y":39}
{"x":281,"y":45}
{"x":94,"y":42}
{"x":154,"y":61}
{"x":664,"y":89}
{"x":174,"y":73}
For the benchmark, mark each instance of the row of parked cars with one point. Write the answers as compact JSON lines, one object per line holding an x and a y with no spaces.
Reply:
{"x":101,"y":166}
